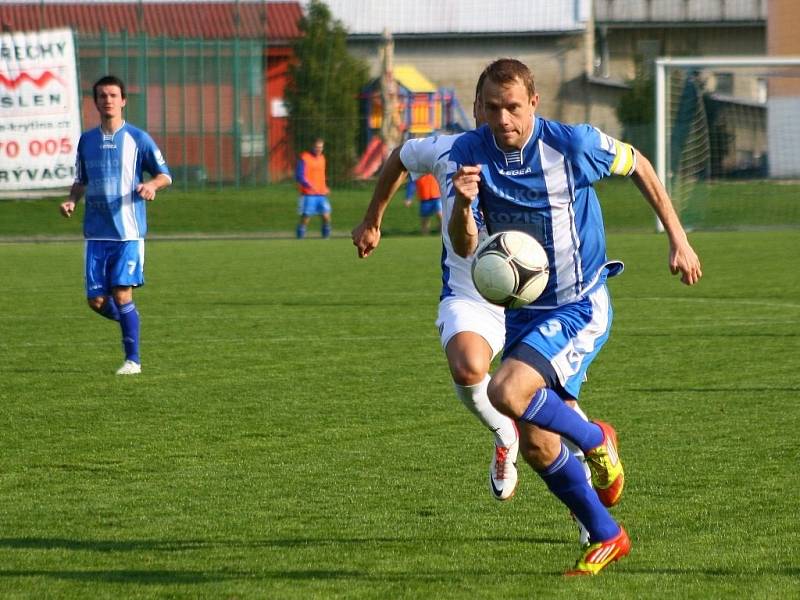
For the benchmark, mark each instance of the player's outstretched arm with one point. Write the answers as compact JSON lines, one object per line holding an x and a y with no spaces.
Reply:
{"x":462,"y":227}
{"x":682,"y":257}
{"x":367,"y":235}
{"x":75,"y":195}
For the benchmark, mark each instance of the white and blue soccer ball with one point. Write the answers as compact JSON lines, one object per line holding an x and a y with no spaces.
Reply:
{"x":510,"y":269}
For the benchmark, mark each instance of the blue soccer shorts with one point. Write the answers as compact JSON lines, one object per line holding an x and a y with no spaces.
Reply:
{"x":309,"y":206}
{"x":430,"y":208}
{"x":561,"y":343}
{"x":111,"y":264}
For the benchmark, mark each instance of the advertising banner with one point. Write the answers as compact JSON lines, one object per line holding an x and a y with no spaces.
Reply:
{"x":39,"y":110}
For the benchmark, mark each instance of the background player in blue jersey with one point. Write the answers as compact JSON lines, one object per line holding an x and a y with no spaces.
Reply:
{"x":526,"y":173}
{"x":110,"y":164}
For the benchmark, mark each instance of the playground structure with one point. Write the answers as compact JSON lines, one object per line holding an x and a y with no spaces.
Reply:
{"x":371,"y":160}
{"x":422,"y":109}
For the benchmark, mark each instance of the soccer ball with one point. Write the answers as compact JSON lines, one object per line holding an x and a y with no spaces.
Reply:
{"x":510,"y":268}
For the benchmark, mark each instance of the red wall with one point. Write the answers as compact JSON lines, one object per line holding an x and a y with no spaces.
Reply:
{"x":281,"y":163}
{"x":217,"y":113}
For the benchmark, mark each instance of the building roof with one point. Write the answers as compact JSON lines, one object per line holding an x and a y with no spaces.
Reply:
{"x":411,"y":79}
{"x":460,"y":17}
{"x":275,"y":21}
{"x":641,"y":12}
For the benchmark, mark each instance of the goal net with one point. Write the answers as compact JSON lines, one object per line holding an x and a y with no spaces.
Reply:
{"x":728,"y":140}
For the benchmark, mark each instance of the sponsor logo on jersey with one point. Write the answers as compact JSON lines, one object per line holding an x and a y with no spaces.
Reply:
{"x":514,"y":172}
{"x":514,"y":217}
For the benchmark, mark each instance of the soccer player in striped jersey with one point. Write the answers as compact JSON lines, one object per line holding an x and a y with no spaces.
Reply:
{"x":471,"y":330}
{"x":110,"y":164}
{"x":526,"y":173}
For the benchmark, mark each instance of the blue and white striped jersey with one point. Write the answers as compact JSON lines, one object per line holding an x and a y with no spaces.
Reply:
{"x":111,"y":167}
{"x":545,"y":189}
{"x":430,"y":155}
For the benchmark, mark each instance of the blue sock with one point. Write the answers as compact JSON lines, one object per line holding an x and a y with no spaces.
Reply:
{"x":300,"y":232}
{"x":109,"y":310}
{"x":548,"y":411}
{"x":129,"y":323}
{"x":567,"y":480}
{"x":326,"y":230}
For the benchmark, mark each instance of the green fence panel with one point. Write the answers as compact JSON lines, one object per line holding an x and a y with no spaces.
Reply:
{"x":201,"y":100}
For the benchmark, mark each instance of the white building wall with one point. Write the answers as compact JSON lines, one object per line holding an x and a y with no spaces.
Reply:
{"x":783,"y":131}
{"x":415,"y":17}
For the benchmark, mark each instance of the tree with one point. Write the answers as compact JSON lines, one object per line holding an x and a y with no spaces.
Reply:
{"x":322,"y":92}
{"x":636,"y":112}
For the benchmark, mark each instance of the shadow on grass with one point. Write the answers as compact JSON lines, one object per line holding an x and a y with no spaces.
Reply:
{"x":106,"y":545}
{"x":155,"y":577}
{"x":31,"y":543}
{"x":165,"y":577}
{"x":186,"y":576}
{"x":704,"y":390}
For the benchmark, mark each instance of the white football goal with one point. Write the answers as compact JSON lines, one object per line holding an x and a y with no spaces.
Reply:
{"x":728,"y":139}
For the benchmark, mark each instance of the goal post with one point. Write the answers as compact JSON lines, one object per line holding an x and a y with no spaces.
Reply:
{"x":727,"y":135}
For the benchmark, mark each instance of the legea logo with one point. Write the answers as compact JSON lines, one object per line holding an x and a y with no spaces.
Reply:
{"x":515,"y":172}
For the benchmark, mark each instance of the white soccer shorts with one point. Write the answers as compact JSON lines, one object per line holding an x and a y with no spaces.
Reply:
{"x":459,"y":314}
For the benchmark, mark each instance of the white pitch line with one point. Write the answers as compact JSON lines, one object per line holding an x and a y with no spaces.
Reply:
{"x":705,"y":300}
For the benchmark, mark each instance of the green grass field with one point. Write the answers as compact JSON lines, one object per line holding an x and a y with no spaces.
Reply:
{"x":247,"y":212}
{"x":272,"y":211}
{"x":295,"y":434}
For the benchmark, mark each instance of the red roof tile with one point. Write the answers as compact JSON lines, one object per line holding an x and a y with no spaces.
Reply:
{"x":277,"y":21}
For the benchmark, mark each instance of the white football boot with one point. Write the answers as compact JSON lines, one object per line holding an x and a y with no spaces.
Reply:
{"x":503,"y":471}
{"x":129,"y":368}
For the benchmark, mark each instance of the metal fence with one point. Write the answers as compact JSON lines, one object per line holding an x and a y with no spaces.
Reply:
{"x":203,"y":101}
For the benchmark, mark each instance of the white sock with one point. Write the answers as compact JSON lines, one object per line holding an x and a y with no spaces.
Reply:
{"x":474,"y":397}
{"x":577,"y":452}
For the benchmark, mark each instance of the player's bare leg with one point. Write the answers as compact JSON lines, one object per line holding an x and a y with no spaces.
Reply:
{"x":104,"y":306}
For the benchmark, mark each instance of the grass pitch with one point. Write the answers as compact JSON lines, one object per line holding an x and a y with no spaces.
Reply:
{"x":295,"y":434}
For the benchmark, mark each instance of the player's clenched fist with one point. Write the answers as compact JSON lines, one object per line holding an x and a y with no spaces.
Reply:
{"x":67,"y":208}
{"x":465,"y":183}
{"x":366,"y":238}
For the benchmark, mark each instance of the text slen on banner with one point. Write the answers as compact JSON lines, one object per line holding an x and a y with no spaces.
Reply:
{"x":39,"y":109}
